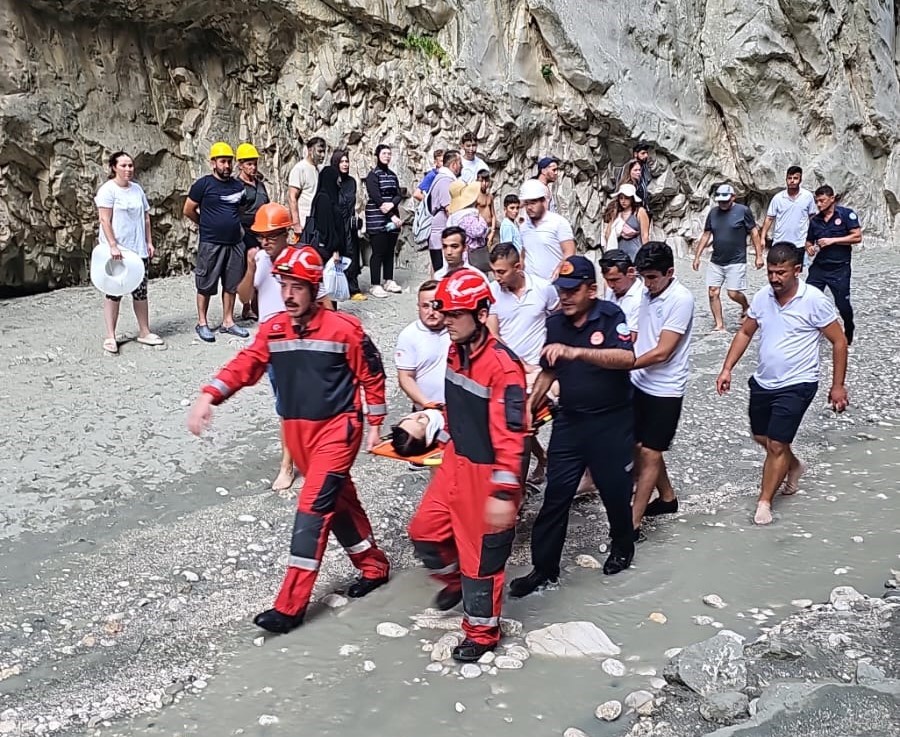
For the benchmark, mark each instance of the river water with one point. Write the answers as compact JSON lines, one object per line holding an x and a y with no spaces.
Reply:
{"x":841,"y":529}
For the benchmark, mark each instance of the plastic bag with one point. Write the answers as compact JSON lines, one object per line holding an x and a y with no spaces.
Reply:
{"x":335,"y":281}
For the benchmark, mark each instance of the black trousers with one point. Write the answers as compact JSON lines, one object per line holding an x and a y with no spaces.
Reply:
{"x":837,"y":278}
{"x":603,"y":444}
{"x":384,"y":246}
{"x":353,"y":272}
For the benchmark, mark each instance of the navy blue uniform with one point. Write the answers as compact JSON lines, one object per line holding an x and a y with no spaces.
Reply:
{"x":831,"y":266}
{"x":593,"y":429}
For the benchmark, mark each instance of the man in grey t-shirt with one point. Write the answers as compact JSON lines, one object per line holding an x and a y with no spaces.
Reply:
{"x":728,"y":226}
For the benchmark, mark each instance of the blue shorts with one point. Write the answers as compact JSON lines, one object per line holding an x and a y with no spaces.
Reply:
{"x":271,"y":374}
{"x":777,"y":413}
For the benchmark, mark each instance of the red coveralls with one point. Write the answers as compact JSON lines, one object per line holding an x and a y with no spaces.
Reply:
{"x":318,"y":373}
{"x":486,"y":419}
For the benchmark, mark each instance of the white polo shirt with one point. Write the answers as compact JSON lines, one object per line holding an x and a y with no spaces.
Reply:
{"x":523,"y":320}
{"x":541,"y":243}
{"x":672,"y":310}
{"x":789,"y":336}
{"x":629,"y":303}
{"x":424,"y":352}
{"x":792,"y":216}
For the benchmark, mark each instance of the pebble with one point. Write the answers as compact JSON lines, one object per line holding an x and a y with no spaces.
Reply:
{"x":603,"y":547}
{"x":636,"y":699}
{"x":246,"y":519}
{"x":334,"y":601}
{"x":587,"y":561}
{"x":470,"y":670}
{"x":346,"y":650}
{"x":715,"y":601}
{"x":391,"y":629}
{"x":613,"y":667}
{"x":658,"y":683}
{"x":507,"y":662}
{"x":857,"y":538}
{"x":658,"y":617}
{"x":487,"y":658}
{"x":609,"y":711}
{"x":802,"y":603}
{"x":704,"y":620}
{"x":259,"y":641}
{"x":368,"y":666}
{"x":518,"y":652}
{"x":199,"y":684}
{"x":190,"y":576}
{"x":672,"y":652}
{"x":460,"y":707}
{"x":221,"y":491}
{"x":267,"y":720}
{"x":434,"y":668}
{"x":574,"y":732}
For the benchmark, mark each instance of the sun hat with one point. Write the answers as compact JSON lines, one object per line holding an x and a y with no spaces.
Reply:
{"x":463,"y":197}
{"x":628,"y":190}
{"x":116,"y":277}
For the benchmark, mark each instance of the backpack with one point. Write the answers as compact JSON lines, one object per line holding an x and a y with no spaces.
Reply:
{"x":423,"y":217}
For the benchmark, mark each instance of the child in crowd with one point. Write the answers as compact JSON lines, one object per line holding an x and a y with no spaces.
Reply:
{"x":509,"y":228}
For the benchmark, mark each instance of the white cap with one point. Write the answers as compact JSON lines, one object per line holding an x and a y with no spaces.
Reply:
{"x":532,"y":189}
{"x":113,"y":276}
{"x":724,"y":192}
{"x":628,"y":190}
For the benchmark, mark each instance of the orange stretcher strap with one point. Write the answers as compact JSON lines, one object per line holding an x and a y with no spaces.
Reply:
{"x":386,"y":450}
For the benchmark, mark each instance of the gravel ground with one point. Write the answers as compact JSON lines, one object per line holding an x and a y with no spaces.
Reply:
{"x":133,"y":551}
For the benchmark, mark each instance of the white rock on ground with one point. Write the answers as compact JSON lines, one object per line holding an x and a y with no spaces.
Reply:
{"x":715,"y":601}
{"x":587,"y":561}
{"x":609,"y":711}
{"x":613,"y":667}
{"x":470,"y":670}
{"x":506,"y":662}
{"x":571,"y":640}
{"x":843,"y":597}
{"x":637,"y":699}
{"x":574,"y":732}
{"x":518,"y":652}
{"x":391,"y":629}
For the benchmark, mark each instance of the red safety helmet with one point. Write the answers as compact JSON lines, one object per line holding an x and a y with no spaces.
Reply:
{"x":299,"y":263}
{"x":464,"y":289}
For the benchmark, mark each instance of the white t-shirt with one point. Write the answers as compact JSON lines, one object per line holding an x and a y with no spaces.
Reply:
{"x":424,"y":352}
{"x":471,"y":168}
{"x":792,"y":216}
{"x":305,"y":177}
{"x":672,"y":310}
{"x":523,"y":320}
{"x":541,"y":243}
{"x":129,"y":205}
{"x":789,"y":336}
{"x":629,"y":303}
{"x":442,"y":272}
{"x":269,"y":290}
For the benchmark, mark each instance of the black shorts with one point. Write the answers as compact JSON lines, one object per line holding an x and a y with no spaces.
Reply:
{"x":777,"y":413}
{"x":655,"y":420}
{"x":219,"y":262}
{"x":139,"y":294}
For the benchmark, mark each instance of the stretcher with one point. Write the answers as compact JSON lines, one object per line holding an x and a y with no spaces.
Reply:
{"x":433,"y":457}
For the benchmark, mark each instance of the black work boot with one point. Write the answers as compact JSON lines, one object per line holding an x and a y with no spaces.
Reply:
{"x":447,"y":598}
{"x":619,"y":559}
{"x":469,"y":651}
{"x":274,"y":621}
{"x":364,"y":586}
{"x":660,"y":506}
{"x":525,"y":585}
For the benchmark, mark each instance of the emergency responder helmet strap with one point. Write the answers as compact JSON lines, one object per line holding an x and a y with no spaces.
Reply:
{"x":480,"y":333}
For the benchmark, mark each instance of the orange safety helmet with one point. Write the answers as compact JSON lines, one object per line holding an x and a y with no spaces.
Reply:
{"x":271,"y":217}
{"x":300,"y":263}
{"x":464,"y":289}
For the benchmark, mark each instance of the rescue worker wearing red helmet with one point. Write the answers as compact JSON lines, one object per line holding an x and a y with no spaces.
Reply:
{"x":322,"y":361}
{"x":464,"y":527}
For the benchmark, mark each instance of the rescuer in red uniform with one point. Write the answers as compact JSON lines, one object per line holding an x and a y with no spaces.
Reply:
{"x":464,"y":528}
{"x":321,"y":360}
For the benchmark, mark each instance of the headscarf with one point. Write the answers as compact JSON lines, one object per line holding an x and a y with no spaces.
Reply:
{"x":378,"y":149}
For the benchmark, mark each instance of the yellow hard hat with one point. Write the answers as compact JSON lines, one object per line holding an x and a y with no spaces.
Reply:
{"x":219,"y":150}
{"x":247,"y":151}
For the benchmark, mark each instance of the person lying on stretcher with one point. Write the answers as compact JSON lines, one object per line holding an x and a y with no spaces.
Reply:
{"x":417,"y":433}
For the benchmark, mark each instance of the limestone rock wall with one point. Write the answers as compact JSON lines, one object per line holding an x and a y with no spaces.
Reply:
{"x":722,"y":91}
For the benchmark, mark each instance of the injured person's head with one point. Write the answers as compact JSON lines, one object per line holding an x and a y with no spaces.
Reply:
{"x":416,"y":433}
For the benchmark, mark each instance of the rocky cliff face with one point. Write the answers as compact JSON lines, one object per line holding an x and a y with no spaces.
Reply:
{"x":721,"y":90}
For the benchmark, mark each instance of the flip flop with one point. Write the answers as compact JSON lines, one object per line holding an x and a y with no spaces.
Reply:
{"x":110,"y":345}
{"x":151,"y":339}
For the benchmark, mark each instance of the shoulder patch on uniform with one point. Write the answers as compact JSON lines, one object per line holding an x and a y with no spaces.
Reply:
{"x":852,"y":215}
{"x":623,"y":331}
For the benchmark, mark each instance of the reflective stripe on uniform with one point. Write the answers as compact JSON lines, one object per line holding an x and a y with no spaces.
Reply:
{"x":469,"y":385}
{"x":377,"y":409}
{"x":221,"y":387}
{"x":307,"y":344}
{"x":307,"y":564}
{"x":504,"y":477}
{"x":360,"y":547}
{"x":483,"y":621}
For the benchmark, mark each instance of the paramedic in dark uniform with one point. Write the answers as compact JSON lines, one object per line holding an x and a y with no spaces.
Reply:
{"x":589,"y":352}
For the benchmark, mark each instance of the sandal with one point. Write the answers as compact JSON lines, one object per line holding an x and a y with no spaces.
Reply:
{"x":110,"y":345}
{"x":150,"y":339}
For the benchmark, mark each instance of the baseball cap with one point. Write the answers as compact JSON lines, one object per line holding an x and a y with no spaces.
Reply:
{"x":544,"y":162}
{"x":532,"y":189}
{"x":641,"y":146}
{"x":724,"y":192}
{"x":575,"y":271}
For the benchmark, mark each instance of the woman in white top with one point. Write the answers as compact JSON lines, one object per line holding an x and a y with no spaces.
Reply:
{"x":125,"y":223}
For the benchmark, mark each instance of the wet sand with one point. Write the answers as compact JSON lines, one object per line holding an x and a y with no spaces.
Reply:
{"x":134,"y":555}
